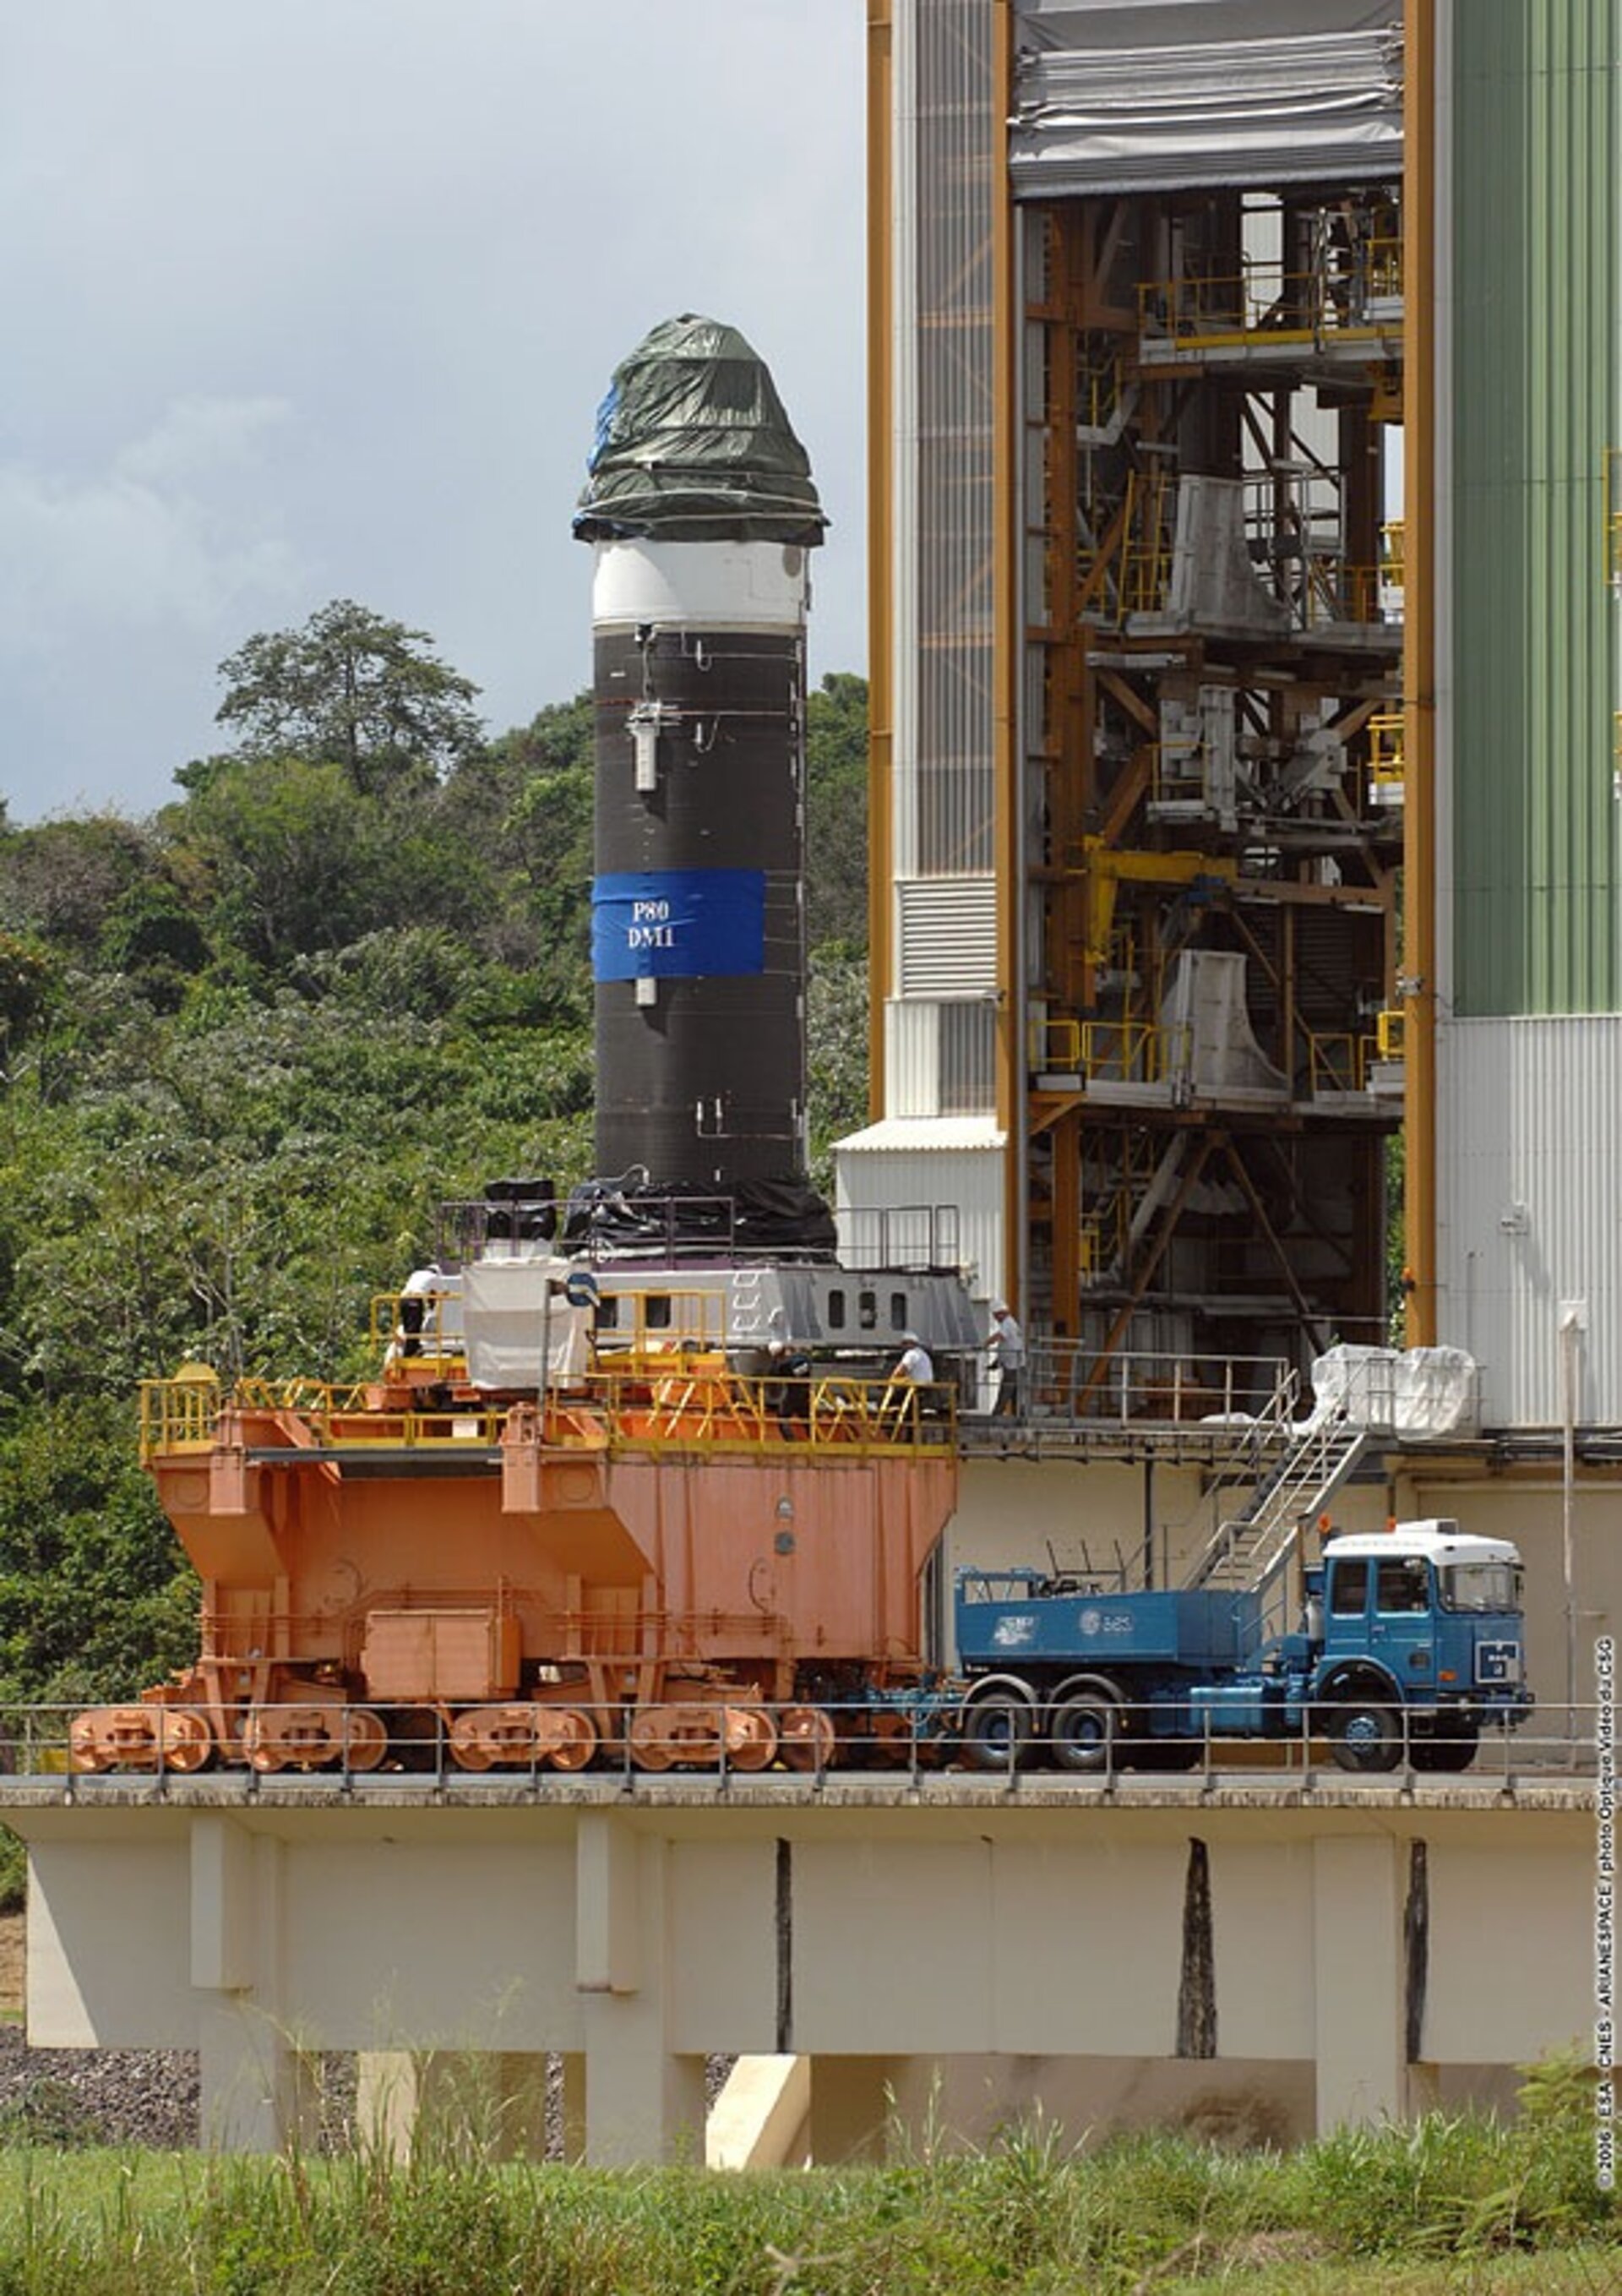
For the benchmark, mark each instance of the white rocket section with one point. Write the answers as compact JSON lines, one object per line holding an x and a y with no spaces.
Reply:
{"x":733,"y":586}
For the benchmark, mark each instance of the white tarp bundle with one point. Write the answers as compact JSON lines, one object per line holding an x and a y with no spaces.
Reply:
{"x":1424,"y":1393}
{"x":1169,"y":94}
{"x":511,"y":1308}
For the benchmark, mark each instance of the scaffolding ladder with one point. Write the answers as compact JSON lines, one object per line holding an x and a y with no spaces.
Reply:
{"x":1246,"y":1557}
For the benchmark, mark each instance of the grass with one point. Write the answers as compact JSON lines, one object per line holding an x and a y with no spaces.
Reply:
{"x":1453,"y":2206}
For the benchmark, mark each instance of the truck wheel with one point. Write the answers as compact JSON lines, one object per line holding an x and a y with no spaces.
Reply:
{"x":996,"y":1731}
{"x":1455,"y":1751}
{"x":1166,"y":1754}
{"x":1083,"y":1732}
{"x":1363,"y":1735}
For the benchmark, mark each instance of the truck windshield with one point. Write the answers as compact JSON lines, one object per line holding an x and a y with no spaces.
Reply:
{"x":1480,"y":1585}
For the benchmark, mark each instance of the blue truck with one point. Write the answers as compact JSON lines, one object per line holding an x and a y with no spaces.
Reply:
{"x":1411,"y":1641}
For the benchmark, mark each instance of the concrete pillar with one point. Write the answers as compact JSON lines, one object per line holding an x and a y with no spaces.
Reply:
{"x":388,"y":2099}
{"x":642,"y":2101}
{"x":254,"y":2095}
{"x":1359,"y":1972}
{"x":489,"y":2104}
{"x":851,"y":2108}
{"x":759,"y":2119}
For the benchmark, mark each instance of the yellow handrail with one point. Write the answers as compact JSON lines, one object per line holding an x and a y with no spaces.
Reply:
{"x":1385,"y":749}
{"x":1340,"y":1062}
{"x":1262,"y":303}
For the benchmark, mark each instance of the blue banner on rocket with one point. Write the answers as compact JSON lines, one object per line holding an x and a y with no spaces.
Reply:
{"x":679,"y":924}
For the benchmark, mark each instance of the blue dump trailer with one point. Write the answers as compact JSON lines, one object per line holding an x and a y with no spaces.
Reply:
{"x":1411,"y":1641}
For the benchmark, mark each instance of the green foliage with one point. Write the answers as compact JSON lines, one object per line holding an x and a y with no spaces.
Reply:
{"x":526,"y":802}
{"x":1031,"y":2217}
{"x":298,"y":861}
{"x":353,"y":690}
{"x":836,"y":812}
{"x":13,"y":1871}
{"x":836,"y":1056}
{"x":61,"y":879}
{"x":25,"y":975}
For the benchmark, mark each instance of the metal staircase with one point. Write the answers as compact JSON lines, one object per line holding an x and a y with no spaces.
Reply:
{"x":1246,"y":1557}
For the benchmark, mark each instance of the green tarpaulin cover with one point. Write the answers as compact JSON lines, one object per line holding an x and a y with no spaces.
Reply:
{"x":693,"y":446}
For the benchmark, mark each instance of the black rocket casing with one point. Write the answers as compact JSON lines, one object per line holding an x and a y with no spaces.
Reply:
{"x":701,"y":514}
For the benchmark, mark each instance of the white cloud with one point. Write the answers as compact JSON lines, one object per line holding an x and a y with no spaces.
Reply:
{"x":157,"y":539}
{"x":199,"y":436}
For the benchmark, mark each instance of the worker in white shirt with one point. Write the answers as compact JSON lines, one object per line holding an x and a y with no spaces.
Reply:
{"x":1007,"y":1348}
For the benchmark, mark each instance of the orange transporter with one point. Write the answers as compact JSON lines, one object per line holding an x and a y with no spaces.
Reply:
{"x":653,"y":1556}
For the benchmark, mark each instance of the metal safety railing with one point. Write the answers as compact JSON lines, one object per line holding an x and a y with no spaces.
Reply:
{"x":1386,"y":756}
{"x":674,"y":1399}
{"x":699,"y":1406}
{"x":944,"y":1738}
{"x":1108,"y":1052}
{"x":1069,"y":1383}
{"x":1353,"y":296}
{"x":1339,"y":1063}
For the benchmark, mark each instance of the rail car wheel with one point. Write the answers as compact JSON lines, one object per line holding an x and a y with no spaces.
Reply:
{"x":184,"y":1741}
{"x":1084,"y":1731}
{"x":805,"y":1738}
{"x":364,"y":1738}
{"x":998,"y":1730}
{"x":469,"y":1752}
{"x":648,"y":1739}
{"x":570,"y":1738}
{"x":751,"y":1738}
{"x":1365,"y":1736}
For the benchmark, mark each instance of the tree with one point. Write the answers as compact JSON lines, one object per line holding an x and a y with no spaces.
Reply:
{"x":349,"y":689}
{"x":60,"y":879}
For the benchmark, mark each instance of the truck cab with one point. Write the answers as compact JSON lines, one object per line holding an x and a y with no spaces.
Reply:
{"x":1420,"y":1624}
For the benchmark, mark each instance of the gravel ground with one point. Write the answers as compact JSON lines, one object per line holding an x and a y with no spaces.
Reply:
{"x":95,"y":2096}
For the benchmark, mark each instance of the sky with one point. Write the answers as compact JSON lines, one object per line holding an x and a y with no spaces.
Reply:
{"x":316,"y":299}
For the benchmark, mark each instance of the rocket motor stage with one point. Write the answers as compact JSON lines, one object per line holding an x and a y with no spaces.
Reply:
{"x":700,"y":509}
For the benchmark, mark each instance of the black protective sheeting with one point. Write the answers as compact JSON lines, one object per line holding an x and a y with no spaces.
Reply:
{"x":693,"y":446}
{"x":782,"y":1217}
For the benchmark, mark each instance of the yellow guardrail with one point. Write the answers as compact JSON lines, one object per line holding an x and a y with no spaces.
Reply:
{"x":698,"y":1409}
{"x":419,"y":1327}
{"x":1340,"y":1062}
{"x":646,"y":1402}
{"x":1056,"y":1048}
{"x":1385,"y":749}
{"x":1118,"y":1052}
{"x":1122,"y":1052}
{"x":1335,"y":592}
{"x":178,"y":1414}
{"x":1353,"y":293}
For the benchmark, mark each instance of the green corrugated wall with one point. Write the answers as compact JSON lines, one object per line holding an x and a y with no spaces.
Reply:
{"x":1537,"y":879}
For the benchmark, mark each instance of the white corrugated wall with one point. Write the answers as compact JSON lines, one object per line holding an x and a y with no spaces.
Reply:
{"x":1529,"y":1179}
{"x":877,"y":1171}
